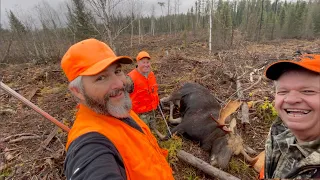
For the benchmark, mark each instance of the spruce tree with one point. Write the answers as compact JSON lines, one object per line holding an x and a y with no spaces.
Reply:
{"x":81,"y":21}
{"x":15,"y":24}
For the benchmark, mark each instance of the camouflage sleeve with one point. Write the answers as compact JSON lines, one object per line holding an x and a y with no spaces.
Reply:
{"x":267,"y":162}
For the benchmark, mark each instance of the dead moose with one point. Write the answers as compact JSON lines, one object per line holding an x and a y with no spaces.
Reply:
{"x":200,"y":121}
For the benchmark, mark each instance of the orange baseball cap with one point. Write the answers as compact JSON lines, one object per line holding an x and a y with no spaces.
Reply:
{"x":142,"y":54}
{"x":89,"y":57}
{"x":308,"y":61}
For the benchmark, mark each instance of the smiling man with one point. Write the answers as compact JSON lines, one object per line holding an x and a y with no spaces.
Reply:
{"x":145,"y":99}
{"x":293,"y":145}
{"x":107,"y":140}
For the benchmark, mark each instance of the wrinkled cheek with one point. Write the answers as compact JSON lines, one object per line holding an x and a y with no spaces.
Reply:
{"x":278,"y":103}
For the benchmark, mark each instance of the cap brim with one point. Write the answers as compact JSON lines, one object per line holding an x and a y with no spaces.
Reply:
{"x":101,"y":65}
{"x":275,"y":70}
{"x":143,"y":57}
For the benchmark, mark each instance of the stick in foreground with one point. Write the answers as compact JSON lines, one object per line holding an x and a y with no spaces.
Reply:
{"x":205,"y":167}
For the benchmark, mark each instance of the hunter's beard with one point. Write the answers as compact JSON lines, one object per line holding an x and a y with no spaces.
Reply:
{"x":120,"y":109}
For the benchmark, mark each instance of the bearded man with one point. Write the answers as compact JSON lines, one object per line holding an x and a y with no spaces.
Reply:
{"x":107,"y":140}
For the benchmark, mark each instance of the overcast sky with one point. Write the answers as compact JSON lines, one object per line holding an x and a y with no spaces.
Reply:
{"x":26,"y":7}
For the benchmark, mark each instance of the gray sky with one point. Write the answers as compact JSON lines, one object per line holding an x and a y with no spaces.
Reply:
{"x":25,"y":8}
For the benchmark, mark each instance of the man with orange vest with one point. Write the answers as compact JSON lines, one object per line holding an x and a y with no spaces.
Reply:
{"x":107,"y":140}
{"x":145,"y":97}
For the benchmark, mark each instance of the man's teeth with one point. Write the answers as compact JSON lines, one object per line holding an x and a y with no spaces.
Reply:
{"x":115,"y":93}
{"x":297,"y":111}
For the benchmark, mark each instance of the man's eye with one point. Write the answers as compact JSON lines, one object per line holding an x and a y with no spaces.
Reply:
{"x":282,"y":92}
{"x":101,"y":78}
{"x":118,"y":71}
{"x":308,"y":92}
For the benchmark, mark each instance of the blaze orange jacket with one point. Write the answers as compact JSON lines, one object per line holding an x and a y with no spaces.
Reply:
{"x":141,"y":154}
{"x":145,"y":93}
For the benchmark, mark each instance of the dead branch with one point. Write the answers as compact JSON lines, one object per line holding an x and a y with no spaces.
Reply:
{"x":8,"y":50}
{"x":205,"y":167}
{"x":245,"y":113}
{"x":32,"y":93}
{"x":24,"y":138}
{"x":258,"y":81}
{"x":45,"y":143}
{"x":16,"y":135}
{"x":7,"y":111}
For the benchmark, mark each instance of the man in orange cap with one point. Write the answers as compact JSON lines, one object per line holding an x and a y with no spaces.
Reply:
{"x":107,"y":140}
{"x":293,"y":144}
{"x":145,"y":99}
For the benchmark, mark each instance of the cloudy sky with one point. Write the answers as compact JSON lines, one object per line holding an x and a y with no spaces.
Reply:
{"x":24,"y":8}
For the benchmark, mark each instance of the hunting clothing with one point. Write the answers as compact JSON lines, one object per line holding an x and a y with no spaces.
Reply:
{"x":145,"y":92}
{"x":286,"y":158}
{"x":149,"y":118}
{"x":133,"y":149}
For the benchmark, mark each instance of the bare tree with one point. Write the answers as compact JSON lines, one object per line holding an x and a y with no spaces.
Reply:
{"x":210,"y":25}
{"x":152,"y":20}
{"x":169,"y":19}
{"x":161,"y":4}
{"x":106,"y":11}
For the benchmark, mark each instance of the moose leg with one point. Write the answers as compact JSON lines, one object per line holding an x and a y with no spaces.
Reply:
{"x":171,"y":120}
{"x":179,"y":129}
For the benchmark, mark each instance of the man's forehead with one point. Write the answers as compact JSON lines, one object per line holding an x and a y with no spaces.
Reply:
{"x":111,"y":67}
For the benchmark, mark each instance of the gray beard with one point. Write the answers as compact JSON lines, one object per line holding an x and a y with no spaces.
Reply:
{"x":106,"y":107}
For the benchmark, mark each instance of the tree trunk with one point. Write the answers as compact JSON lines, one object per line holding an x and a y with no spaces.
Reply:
{"x":210,"y":26}
{"x":274,"y":20}
{"x":260,"y":25}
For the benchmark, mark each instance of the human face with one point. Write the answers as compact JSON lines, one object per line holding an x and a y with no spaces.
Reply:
{"x":144,"y":66}
{"x":105,"y":92}
{"x":297,"y":101}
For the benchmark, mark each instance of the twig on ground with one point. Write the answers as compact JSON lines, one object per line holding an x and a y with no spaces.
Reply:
{"x":45,"y":143}
{"x":24,"y":138}
{"x":16,"y":135}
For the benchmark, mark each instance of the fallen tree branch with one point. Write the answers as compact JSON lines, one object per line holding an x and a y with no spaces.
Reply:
{"x":240,"y":89}
{"x":205,"y":167}
{"x":245,"y":113}
{"x":45,"y":143}
{"x":16,"y":135}
{"x":32,"y":93}
{"x":24,"y":138}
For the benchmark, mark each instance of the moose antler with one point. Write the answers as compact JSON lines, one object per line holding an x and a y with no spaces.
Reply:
{"x":230,"y":108}
{"x":235,"y":142}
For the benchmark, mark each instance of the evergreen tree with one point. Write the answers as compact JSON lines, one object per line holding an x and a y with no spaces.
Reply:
{"x":81,"y":22}
{"x":316,"y":20}
{"x":15,"y":24}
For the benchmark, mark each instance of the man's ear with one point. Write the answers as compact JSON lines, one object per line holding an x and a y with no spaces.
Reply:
{"x":77,"y":93}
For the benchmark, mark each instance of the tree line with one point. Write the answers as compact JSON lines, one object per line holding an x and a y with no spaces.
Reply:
{"x":254,"y":20}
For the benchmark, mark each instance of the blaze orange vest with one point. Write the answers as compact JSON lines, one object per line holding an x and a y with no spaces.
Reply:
{"x":140,"y":152}
{"x":145,"y":93}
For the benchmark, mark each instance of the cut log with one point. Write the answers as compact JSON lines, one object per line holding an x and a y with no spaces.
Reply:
{"x":205,"y":167}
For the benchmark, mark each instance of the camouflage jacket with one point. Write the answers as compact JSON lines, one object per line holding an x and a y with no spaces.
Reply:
{"x":285,"y":158}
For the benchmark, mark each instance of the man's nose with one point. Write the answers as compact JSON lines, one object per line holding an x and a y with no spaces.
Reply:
{"x":292,"y":97}
{"x":118,"y":82}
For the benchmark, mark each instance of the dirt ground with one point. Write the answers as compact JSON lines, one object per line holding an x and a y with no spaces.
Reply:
{"x":25,"y":155}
